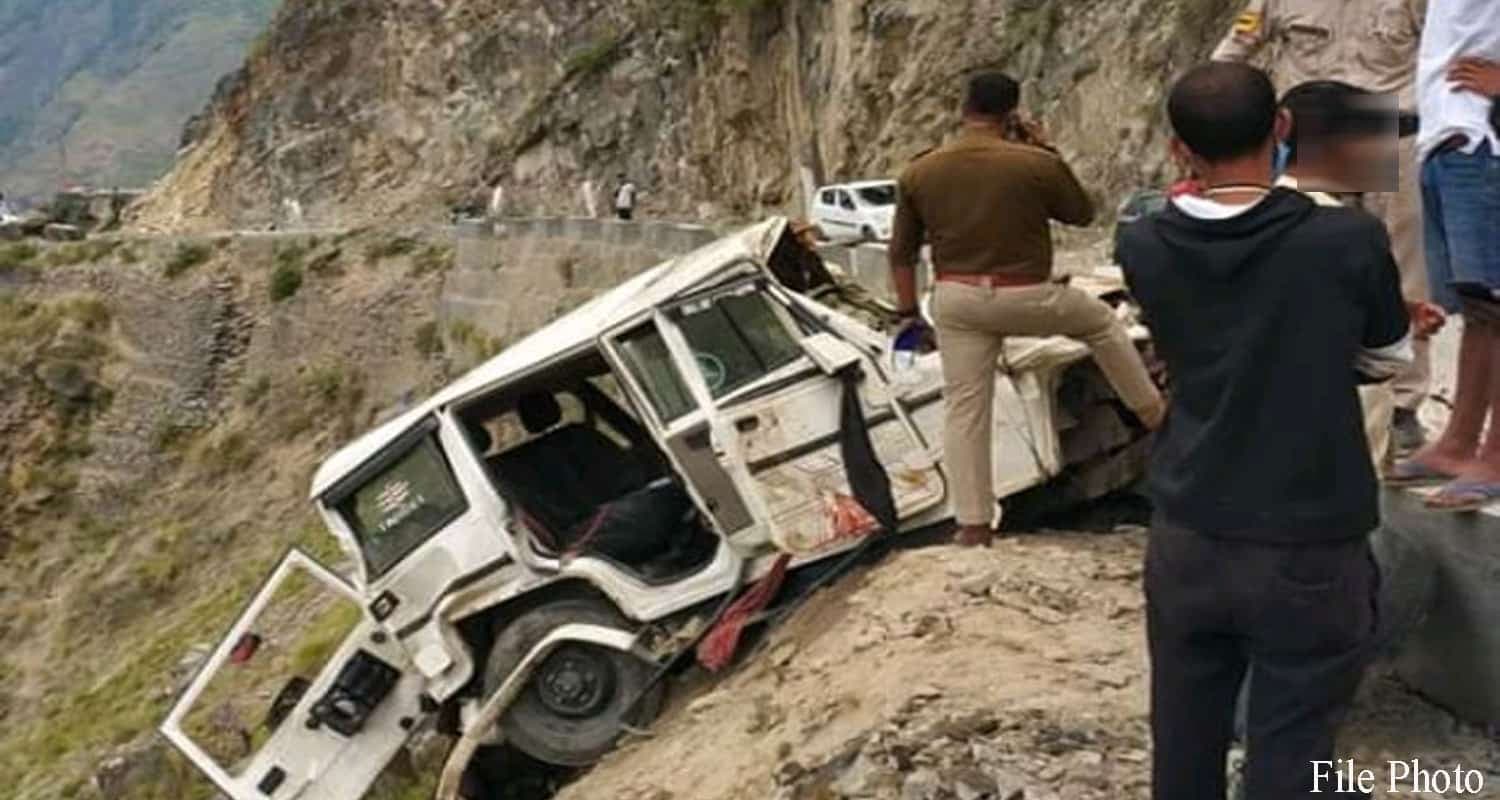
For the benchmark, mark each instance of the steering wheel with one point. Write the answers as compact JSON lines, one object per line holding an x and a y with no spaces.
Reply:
{"x":713,"y":369}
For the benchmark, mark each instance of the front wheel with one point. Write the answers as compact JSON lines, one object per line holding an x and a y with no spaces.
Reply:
{"x":573,"y":708}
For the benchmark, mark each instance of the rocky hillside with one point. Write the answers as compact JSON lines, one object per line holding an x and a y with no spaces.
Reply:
{"x":364,"y":110}
{"x":96,"y":91}
{"x":162,"y":405}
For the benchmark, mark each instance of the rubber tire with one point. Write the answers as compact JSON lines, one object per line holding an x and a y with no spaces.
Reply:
{"x":529,"y":726}
{"x":866,"y":234}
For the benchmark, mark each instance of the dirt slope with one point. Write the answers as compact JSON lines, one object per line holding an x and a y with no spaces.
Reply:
{"x":946,"y":673}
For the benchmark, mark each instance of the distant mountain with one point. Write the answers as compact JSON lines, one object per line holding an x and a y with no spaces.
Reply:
{"x":96,"y":91}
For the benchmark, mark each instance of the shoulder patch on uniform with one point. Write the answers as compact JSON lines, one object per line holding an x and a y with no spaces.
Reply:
{"x":1248,"y":23}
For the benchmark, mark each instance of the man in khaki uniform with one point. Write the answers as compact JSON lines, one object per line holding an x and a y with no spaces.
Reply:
{"x":985,"y":203}
{"x":1371,"y":44}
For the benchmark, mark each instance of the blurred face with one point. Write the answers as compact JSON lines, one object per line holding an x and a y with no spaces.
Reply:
{"x":1363,"y":162}
{"x":1368,"y":162}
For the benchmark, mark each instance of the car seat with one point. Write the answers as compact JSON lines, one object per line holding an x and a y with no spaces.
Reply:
{"x":566,"y":476}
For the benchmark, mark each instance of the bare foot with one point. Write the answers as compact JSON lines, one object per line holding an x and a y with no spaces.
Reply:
{"x":1445,"y":458}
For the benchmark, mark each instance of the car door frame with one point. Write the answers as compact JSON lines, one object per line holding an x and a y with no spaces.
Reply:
{"x":393,"y":719}
{"x":710,"y":412}
{"x":846,"y":220}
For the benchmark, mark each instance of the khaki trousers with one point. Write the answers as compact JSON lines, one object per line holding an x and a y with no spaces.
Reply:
{"x":972,"y":323}
{"x":1402,"y":213}
{"x":1378,"y":400}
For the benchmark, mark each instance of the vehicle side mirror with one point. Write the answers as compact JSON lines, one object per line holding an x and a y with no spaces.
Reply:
{"x":831,"y":354}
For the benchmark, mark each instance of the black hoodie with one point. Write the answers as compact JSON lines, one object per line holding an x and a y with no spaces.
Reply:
{"x":1259,"y":318}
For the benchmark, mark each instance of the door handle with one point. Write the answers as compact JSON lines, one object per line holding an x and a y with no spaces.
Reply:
{"x":746,"y":424}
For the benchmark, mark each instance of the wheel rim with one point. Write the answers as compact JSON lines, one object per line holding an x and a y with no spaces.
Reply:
{"x":575,"y":682}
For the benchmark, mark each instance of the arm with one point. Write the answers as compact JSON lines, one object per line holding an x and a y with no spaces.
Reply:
{"x":1067,"y":202}
{"x":1247,"y":36}
{"x":1387,"y":336}
{"x":907,"y":233}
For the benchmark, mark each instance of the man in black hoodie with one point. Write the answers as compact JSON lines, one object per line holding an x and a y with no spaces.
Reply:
{"x":1265,"y":307}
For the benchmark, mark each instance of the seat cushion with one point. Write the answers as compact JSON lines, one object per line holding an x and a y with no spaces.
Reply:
{"x":563,"y":476}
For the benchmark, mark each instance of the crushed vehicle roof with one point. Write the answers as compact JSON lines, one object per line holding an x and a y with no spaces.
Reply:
{"x":573,"y":331}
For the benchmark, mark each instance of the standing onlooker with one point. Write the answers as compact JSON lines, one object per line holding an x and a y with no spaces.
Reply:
{"x":1371,"y":44}
{"x":1459,"y":149}
{"x":1340,"y":143}
{"x":625,"y":196}
{"x":5,"y":209}
{"x":984,"y":202}
{"x":1262,"y":304}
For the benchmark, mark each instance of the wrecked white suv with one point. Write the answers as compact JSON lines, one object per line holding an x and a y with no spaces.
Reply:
{"x":536,"y":541}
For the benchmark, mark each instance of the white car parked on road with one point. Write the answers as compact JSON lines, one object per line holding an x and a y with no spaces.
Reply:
{"x":856,"y":212}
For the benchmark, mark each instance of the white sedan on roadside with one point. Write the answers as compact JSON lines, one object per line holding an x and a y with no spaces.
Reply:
{"x":856,"y":212}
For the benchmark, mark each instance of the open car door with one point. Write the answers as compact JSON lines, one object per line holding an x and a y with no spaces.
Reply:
{"x":762,"y":392}
{"x":305,"y":698}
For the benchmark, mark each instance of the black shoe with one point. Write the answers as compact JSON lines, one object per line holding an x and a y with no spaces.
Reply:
{"x":1407,"y":434}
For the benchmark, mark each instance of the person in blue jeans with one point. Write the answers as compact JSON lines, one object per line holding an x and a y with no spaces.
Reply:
{"x":1459,"y":151}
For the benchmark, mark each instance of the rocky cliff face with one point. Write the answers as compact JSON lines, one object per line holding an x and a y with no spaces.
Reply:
{"x":362,"y":110}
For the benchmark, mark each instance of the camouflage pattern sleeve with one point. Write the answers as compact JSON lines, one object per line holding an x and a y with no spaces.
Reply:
{"x":1248,"y":34}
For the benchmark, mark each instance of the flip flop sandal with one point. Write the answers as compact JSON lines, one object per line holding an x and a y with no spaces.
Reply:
{"x":1474,"y":495}
{"x":1408,"y":472}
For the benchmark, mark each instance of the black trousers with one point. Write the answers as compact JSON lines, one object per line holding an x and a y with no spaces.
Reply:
{"x":1303,"y":616}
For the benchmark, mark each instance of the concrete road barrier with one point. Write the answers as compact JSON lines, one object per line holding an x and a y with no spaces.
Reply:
{"x":1451,"y":654}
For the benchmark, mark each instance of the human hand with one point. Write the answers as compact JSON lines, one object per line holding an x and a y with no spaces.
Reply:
{"x":1026,"y":130}
{"x":1474,"y":74}
{"x":1426,"y":319}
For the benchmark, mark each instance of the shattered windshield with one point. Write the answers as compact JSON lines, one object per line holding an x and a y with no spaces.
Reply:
{"x":882,"y":194}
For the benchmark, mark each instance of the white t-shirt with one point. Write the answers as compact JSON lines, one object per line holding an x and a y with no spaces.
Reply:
{"x":1207,"y":208}
{"x":1454,"y":29}
{"x":625,"y":196}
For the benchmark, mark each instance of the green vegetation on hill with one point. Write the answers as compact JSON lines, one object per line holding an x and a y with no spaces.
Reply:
{"x":97,"y":91}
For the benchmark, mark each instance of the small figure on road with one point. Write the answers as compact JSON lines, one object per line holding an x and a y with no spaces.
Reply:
{"x":1268,"y":309}
{"x":985,"y":203}
{"x":6,"y":212}
{"x":625,"y":197}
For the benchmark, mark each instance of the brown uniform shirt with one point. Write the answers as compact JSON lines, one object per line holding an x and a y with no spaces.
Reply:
{"x":1371,"y":44}
{"x":984,"y":204}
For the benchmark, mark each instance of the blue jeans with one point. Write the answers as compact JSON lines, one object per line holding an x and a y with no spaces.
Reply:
{"x":1460,"y":210}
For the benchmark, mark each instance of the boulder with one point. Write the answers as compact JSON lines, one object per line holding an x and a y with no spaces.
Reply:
{"x":132,"y":771}
{"x":32,"y":223}
{"x":11,"y":231}
{"x":59,"y":232}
